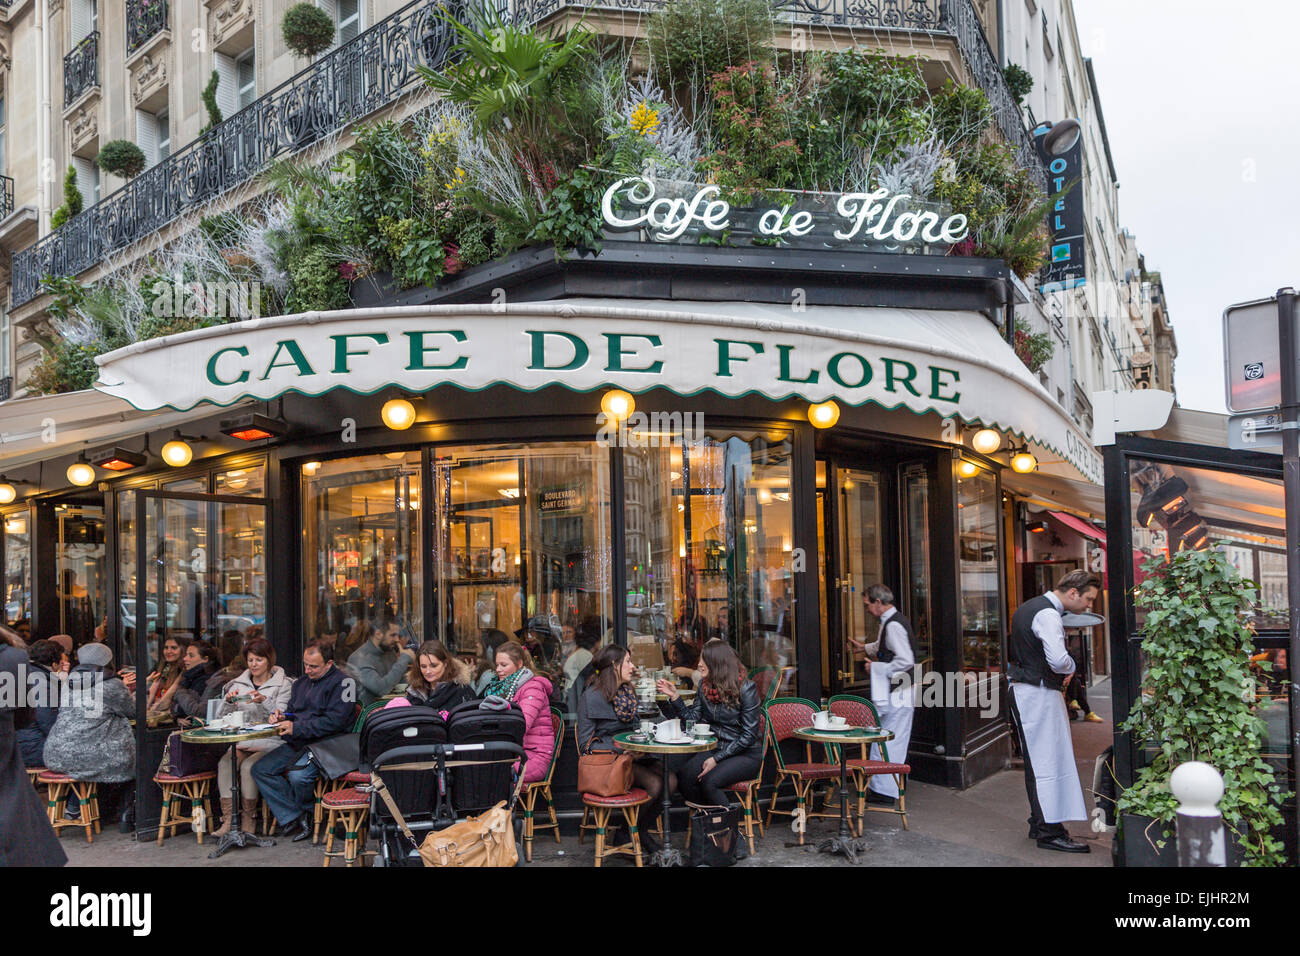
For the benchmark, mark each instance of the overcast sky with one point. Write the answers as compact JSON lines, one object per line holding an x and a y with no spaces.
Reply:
{"x":1202,"y":107}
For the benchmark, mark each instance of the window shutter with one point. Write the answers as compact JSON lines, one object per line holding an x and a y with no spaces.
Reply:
{"x":349,"y":20}
{"x":80,"y":12}
{"x":331,"y":7}
{"x":85,"y":179}
{"x":146,"y":136}
{"x":227,"y":85}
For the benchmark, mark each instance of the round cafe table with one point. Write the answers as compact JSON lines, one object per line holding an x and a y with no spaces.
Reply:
{"x":226,"y":738}
{"x":845,"y":843}
{"x":667,"y":856}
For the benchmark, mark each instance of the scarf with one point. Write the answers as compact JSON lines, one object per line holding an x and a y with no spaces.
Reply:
{"x":506,"y":687}
{"x":625,"y":703}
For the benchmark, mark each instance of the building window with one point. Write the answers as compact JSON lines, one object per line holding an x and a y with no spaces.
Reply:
{"x":164,"y":135}
{"x":17,"y":569}
{"x":87,"y":178}
{"x":349,"y":20}
{"x":246,"y":77}
{"x":980,"y":572}
{"x":3,"y":127}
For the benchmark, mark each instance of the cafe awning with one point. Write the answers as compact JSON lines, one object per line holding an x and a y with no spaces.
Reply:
{"x":952,"y":363}
{"x":1081,"y":526}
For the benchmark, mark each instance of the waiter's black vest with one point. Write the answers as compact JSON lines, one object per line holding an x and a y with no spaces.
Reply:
{"x":885,"y":654}
{"x":1026,"y":660}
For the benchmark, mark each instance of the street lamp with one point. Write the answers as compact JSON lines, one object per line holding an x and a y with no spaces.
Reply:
{"x":1062,"y":137}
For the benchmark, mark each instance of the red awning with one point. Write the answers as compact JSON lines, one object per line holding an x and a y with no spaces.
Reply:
{"x":1079,"y":525}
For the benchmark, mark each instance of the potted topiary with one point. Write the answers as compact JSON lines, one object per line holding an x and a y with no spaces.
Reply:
{"x":308,"y":30}
{"x":1197,"y":703}
{"x":121,"y":157}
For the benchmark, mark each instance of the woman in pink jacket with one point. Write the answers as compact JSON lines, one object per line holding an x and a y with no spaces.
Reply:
{"x":515,"y":681}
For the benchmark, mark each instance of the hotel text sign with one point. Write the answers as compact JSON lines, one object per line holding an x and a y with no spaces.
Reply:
{"x":671,"y":211}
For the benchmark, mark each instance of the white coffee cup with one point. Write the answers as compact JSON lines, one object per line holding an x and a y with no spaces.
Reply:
{"x":648,"y":727}
{"x":701,"y":730}
{"x":821,"y":720}
{"x":839,"y":722}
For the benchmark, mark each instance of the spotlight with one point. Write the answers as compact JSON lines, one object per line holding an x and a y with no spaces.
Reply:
{"x":117,"y":459}
{"x":1062,"y":137}
{"x":398,"y":414}
{"x":824,"y":414}
{"x":81,"y":474}
{"x":986,"y":441}
{"x":253,"y":426}
{"x":617,"y":404}
{"x":177,"y":453}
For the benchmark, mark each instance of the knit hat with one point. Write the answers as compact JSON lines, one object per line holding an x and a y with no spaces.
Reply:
{"x":96,"y":655}
{"x":64,"y":641}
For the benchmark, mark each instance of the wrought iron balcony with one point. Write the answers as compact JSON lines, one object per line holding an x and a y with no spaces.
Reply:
{"x":81,"y":69}
{"x":374,"y":68}
{"x":7,"y":200}
{"x":144,"y":20}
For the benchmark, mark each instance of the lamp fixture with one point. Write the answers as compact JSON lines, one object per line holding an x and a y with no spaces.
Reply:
{"x":967,"y":469}
{"x":1022,"y":462}
{"x":398,"y":414}
{"x":1062,"y":137}
{"x":1162,"y":502}
{"x":986,"y":441}
{"x":1038,"y":527}
{"x":117,"y":459}
{"x":8,"y":493}
{"x":310,"y":467}
{"x":617,"y":404}
{"x":253,"y":426}
{"x":81,"y":474}
{"x":177,"y":452}
{"x":824,"y":414}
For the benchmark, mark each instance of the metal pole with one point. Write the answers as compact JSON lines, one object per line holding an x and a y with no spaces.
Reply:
{"x":1289,"y":356}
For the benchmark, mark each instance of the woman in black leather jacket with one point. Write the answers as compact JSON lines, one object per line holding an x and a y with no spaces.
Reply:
{"x":729,"y":704}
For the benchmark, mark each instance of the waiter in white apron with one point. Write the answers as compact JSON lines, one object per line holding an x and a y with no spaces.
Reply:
{"x":892,"y":674}
{"x":1038,"y":666}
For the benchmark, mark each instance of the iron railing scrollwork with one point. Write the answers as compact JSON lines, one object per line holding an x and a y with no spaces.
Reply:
{"x":145,"y":19}
{"x":359,"y":77}
{"x":81,"y":69}
{"x":960,"y":20}
{"x":7,"y":200}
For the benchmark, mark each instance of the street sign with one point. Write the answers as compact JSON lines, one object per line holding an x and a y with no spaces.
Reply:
{"x":1250,"y":353}
{"x":1256,"y":431}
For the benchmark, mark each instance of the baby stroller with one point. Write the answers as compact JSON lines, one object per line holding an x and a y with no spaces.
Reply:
{"x":428,"y":773}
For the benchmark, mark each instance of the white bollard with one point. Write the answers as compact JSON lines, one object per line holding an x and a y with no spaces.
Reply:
{"x":1198,"y":788}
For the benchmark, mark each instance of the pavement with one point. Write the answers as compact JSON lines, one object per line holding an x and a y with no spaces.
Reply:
{"x":982,"y":826}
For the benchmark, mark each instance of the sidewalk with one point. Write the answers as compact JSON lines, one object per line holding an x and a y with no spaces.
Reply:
{"x":982,"y":826}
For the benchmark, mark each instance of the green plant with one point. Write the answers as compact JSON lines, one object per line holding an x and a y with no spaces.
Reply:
{"x":72,"y":200}
{"x":752,"y":127}
{"x":571,"y":219}
{"x":307,"y":29}
{"x":1197,"y":698}
{"x":691,"y":40}
{"x":1019,"y":82}
{"x":121,"y":157}
{"x":210,"y":102}
{"x":1033,"y":348}
{"x":315,"y":284}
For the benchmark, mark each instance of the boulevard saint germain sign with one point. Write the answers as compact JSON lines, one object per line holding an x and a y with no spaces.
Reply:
{"x":878,"y":221}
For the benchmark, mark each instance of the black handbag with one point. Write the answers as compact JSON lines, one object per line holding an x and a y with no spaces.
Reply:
{"x":715,"y":836}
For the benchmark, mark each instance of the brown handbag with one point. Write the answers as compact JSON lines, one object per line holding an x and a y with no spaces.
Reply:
{"x":604,"y":773}
{"x":485,"y":840}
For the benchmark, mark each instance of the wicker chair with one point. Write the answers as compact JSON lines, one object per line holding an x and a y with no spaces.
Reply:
{"x":860,"y":712}
{"x":784,"y":715}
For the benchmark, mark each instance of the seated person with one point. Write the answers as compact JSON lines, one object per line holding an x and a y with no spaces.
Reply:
{"x":609,"y":706}
{"x":729,"y":704}
{"x":322,"y":704}
{"x":436,"y":679}
{"x":380,"y":663}
{"x":576,"y":663}
{"x":684,"y":658}
{"x":485,"y":670}
{"x":162,"y":683}
{"x":517,"y":681}
{"x":43,"y":688}
{"x":201,"y":662}
{"x":92,"y":737}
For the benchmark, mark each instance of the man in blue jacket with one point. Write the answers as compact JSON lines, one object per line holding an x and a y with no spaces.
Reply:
{"x":322,"y":704}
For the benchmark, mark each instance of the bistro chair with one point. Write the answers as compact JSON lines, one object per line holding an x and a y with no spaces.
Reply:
{"x":350,"y":807}
{"x":32,"y":774}
{"x":175,"y":791}
{"x":746,"y":791}
{"x":61,"y":790}
{"x":860,"y":712}
{"x":603,"y":807}
{"x":767,"y":680}
{"x":784,"y":716}
{"x":542,"y":788}
{"x":349,"y":779}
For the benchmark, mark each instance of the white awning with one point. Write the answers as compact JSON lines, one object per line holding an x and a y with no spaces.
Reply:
{"x":954,"y":364}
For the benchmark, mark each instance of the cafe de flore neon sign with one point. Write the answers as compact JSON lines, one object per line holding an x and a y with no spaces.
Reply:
{"x":671,"y":211}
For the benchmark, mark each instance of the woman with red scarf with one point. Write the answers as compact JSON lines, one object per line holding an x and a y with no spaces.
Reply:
{"x":729,"y":704}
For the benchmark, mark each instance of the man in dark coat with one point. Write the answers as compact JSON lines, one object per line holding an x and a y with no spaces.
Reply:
{"x":26,"y":837}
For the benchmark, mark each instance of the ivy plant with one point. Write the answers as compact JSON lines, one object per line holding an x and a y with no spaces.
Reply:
{"x":1197,"y":700}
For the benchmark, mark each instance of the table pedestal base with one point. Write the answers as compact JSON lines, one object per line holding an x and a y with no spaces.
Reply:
{"x":240,"y":839}
{"x":668,"y":856}
{"x":845,"y":845}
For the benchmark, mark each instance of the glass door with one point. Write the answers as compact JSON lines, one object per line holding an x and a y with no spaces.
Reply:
{"x":81,"y":562}
{"x":859,"y":565}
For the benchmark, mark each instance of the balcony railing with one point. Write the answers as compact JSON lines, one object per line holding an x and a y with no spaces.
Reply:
{"x":144,"y":20}
{"x":370,"y":71}
{"x":81,"y":69}
{"x":6,"y":200}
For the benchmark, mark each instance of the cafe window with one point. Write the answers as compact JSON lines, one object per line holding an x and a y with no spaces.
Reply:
{"x":250,"y":482}
{"x":916,"y":597}
{"x":979,"y":569}
{"x":361,"y":556}
{"x":18,"y":568}
{"x":126,"y":580}
{"x":522,"y":548}
{"x":709,"y":540}
{"x":80,"y":566}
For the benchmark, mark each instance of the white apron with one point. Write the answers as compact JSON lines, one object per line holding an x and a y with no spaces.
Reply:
{"x":1051,"y":752}
{"x":896,"y":711}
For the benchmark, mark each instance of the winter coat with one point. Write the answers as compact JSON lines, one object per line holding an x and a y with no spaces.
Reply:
{"x":46,"y":688}
{"x":534,"y":698}
{"x":321,"y":707}
{"x":26,"y":837}
{"x":92,"y":737}
{"x":189,"y":699}
{"x":739,"y":729}
{"x":446,"y":694}
{"x":597,"y":722}
{"x":378,"y":672}
{"x":276,"y":689}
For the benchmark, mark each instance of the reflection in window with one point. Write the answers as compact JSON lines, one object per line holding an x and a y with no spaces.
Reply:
{"x":708,"y":548}
{"x":360,"y":547}
{"x":18,"y":569}
{"x":126,"y":579}
{"x":242,"y":481}
{"x":81,"y":583}
{"x":979,"y":568}
{"x":522,"y":545}
{"x":916,"y":496}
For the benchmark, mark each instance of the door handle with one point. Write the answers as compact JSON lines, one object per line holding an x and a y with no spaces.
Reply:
{"x":844,"y":675}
